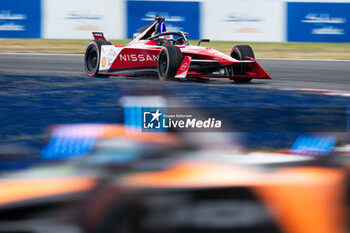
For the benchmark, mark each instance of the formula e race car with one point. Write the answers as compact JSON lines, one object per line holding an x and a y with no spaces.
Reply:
{"x":110,"y":178}
{"x":171,"y":56}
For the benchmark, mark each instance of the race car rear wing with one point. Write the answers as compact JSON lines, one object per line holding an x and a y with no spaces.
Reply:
{"x":99,"y":36}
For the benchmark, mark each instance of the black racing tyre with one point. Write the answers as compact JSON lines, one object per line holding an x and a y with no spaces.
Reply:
{"x":92,"y":58}
{"x":241,"y":52}
{"x":170,"y":59}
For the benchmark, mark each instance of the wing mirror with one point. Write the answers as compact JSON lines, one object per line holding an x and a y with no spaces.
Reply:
{"x":203,"y":40}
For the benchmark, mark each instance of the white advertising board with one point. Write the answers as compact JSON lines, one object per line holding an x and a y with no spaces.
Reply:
{"x":76,"y":19}
{"x":248,"y":20}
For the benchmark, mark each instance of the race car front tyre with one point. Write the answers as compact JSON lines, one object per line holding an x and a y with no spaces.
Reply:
{"x":92,"y":58}
{"x":170,"y":58}
{"x":241,"y":52}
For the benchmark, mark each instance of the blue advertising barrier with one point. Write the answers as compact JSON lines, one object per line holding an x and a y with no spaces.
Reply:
{"x":20,"y":19}
{"x":179,"y":16}
{"x":318,"y":22}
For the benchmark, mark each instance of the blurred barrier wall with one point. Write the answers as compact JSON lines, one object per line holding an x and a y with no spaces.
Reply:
{"x":180,"y":15}
{"x":318,"y":21}
{"x":249,"y":20}
{"x":227,"y":20}
{"x":20,"y":19}
{"x":76,"y":19}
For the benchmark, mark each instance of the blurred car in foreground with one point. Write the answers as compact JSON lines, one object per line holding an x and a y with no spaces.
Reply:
{"x":155,"y":182}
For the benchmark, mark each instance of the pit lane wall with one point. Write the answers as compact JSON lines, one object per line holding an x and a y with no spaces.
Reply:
{"x":225,"y":20}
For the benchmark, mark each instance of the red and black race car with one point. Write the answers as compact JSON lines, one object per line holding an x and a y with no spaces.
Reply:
{"x":171,"y":56}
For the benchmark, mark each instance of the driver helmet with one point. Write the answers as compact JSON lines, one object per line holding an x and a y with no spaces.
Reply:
{"x":160,"y":28}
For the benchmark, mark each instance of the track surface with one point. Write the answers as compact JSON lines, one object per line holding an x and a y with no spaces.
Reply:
{"x":38,"y":91}
{"x":332,"y":75}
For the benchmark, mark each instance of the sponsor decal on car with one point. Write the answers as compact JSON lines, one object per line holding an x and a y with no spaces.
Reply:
{"x":108,"y":54}
{"x":138,"y":57}
{"x":184,"y":66}
{"x":103,"y":61}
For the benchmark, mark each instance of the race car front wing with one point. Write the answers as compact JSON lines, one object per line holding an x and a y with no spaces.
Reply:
{"x":184,"y":71}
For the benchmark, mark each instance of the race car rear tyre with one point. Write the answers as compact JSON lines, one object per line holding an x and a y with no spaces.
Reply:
{"x":169,"y":61}
{"x":92,"y":58}
{"x":241,"y":52}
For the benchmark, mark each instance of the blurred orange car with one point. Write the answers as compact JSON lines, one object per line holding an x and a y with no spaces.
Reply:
{"x":167,"y":186}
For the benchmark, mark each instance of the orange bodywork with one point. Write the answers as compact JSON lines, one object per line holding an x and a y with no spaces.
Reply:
{"x":116,"y":131}
{"x":110,"y":131}
{"x":301,"y":199}
{"x":26,"y":189}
